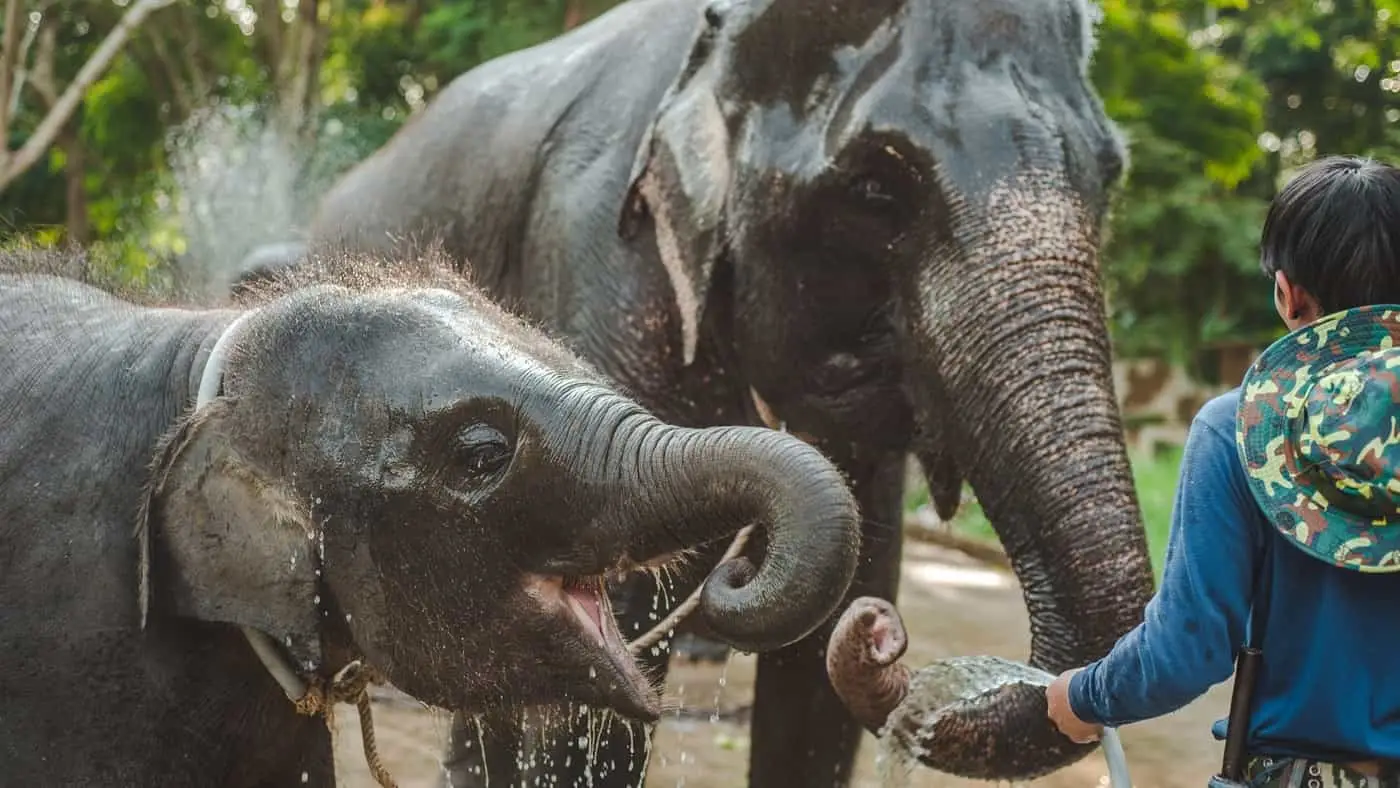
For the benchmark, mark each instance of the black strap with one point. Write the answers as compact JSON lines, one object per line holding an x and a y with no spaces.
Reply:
{"x":1263,"y":591}
{"x":1247,"y":666}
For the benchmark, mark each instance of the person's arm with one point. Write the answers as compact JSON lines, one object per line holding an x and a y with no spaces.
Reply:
{"x":1195,"y":623}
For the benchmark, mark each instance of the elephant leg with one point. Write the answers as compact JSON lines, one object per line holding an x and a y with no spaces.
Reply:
{"x":480,"y":755}
{"x":314,"y":765}
{"x":699,"y":649}
{"x":801,"y":732}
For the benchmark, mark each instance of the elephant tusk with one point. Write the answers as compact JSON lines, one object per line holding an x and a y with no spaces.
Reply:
{"x":771,"y":420}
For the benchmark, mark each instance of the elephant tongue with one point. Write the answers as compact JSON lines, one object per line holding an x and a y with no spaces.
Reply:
{"x":587,"y":600}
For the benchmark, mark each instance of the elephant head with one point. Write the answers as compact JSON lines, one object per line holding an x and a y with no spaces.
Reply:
{"x":415,"y":476}
{"x":907,"y":198}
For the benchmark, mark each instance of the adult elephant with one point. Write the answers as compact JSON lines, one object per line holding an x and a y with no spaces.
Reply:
{"x":876,"y":219}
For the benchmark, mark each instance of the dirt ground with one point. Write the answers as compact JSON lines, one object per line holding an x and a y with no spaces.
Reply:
{"x":951,"y":604}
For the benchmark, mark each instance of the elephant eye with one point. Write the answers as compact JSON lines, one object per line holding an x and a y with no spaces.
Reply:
{"x":482,"y":450}
{"x":870,"y":189}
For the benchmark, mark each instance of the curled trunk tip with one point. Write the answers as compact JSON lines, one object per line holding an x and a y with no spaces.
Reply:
{"x":812,"y":528}
{"x":982,"y":718}
{"x":862,"y":660}
{"x":701,"y":485}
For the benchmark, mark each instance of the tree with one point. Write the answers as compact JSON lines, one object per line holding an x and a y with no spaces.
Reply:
{"x":1182,"y":256}
{"x":14,"y":68}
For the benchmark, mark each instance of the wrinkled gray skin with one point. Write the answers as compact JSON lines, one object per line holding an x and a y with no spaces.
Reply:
{"x":882,"y":216}
{"x":406,"y":475}
{"x":982,"y":717}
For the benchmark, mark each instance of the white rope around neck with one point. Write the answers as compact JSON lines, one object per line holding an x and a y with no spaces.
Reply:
{"x":209,"y":383}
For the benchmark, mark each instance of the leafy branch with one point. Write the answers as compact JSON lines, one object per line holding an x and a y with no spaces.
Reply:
{"x":13,"y":68}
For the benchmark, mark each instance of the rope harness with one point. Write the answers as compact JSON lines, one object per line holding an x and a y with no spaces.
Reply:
{"x":349,"y":685}
{"x":314,"y":695}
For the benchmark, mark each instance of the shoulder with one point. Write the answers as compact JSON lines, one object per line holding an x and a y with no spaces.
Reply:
{"x":1216,"y":419}
{"x":1210,"y":447}
{"x":1211,"y":452}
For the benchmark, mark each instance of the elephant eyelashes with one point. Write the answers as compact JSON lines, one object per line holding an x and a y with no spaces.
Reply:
{"x":481,"y":450}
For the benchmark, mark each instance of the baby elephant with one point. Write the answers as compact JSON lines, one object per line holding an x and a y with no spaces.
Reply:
{"x":977,"y":717}
{"x":204,"y":513}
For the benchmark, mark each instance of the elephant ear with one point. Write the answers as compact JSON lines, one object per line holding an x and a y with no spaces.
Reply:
{"x":680,"y":178}
{"x":222,"y":542}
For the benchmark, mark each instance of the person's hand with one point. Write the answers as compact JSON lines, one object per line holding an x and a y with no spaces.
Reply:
{"x":1060,"y":712}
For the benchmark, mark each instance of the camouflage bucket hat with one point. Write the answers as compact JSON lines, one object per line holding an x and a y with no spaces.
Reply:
{"x":1318,"y":430}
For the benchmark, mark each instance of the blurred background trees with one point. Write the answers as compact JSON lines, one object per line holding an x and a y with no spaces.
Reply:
{"x":217,"y":122}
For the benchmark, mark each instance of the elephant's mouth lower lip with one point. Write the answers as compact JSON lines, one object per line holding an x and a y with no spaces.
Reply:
{"x":585,"y":598}
{"x":611,"y":668}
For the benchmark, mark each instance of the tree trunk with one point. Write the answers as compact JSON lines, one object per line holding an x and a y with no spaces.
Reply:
{"x":9,"y":57}
{"x":79,"y":228}
{"x":573,"y":14}
{"x":300,"y":87}
{"x":14,"y":165}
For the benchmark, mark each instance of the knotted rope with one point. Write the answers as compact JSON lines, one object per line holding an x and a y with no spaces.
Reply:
{"x":349,"y":685}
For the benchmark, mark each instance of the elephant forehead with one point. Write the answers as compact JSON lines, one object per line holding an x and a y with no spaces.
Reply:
{"x":407,"y":349}
{"x":801,"y":52}
{"x":1009,"y":24}
{"x":931,"y":69}
{"x":475,"y":352}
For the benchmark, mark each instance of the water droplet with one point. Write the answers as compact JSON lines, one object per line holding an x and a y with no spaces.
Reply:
{"x":306,"y":778}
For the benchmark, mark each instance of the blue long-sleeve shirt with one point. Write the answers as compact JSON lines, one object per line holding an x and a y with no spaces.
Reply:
{"x":1329,"y":684}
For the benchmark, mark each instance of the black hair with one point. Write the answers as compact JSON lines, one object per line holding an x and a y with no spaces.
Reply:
{"x":1334,"y":230}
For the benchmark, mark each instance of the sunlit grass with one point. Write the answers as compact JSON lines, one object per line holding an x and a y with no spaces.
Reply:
{"x":1154,"y":477}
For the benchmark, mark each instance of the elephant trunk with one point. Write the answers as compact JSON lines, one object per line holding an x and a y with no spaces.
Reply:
{"x":683,"y":487}
{"x":970,"y":716}
{"x":1014,"y":333}
{"x":862,"y":661}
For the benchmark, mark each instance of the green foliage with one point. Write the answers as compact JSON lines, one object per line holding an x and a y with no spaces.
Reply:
{"x":1219,"y":100}
{"x":1181,"y":261}
{"x":1154,"y":478}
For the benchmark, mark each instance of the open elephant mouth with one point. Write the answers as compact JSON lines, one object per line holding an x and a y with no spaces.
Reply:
{"x":582,"y":600}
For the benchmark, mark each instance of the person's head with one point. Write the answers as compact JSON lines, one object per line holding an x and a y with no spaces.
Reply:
{"x":1331,"y":240}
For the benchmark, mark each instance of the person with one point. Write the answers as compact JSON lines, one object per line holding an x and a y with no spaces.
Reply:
{"x":1306,"y":453}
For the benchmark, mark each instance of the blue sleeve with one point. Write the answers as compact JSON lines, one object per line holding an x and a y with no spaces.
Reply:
{"x":1194,"y":625}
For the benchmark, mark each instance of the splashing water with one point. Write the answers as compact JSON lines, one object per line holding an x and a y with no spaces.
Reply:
{"x":893,"y":763}
{"x":236,"y":187}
